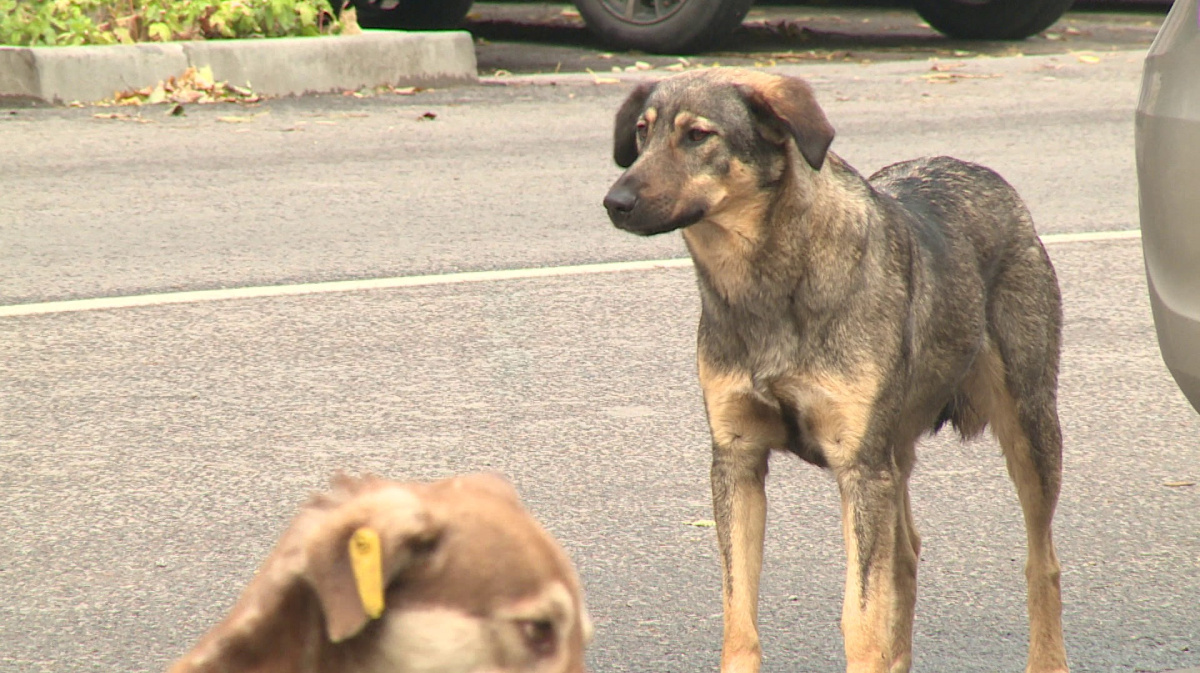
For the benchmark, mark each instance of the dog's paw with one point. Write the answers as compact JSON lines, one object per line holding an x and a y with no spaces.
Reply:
{"x":741,"y":662}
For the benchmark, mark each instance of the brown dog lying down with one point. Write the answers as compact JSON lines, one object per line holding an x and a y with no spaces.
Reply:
{"x":452,"y":576}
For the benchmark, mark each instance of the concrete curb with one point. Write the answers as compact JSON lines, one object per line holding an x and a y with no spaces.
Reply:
{"x":272,"y":67}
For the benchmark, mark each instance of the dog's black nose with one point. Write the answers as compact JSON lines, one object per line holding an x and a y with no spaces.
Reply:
{"x":620,"y":202}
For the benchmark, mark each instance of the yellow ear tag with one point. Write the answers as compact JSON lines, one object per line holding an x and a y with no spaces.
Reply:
{"x":368,"y":570}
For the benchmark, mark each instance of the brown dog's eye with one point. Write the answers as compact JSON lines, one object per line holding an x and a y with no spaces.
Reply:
{"x":539,"y":636}
{"x":699,"y":135}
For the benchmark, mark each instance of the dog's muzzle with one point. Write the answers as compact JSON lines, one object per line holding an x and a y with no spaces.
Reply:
{"x":630,"y":210}
{"x":620,"y":202}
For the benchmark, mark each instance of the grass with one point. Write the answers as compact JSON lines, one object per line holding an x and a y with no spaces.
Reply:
{"x":93,"y":22}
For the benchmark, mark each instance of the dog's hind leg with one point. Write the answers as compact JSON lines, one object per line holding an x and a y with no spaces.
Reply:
{"x":1030,"y":437}
{"x":1020,"y":372}
{"x":1031,"y":442}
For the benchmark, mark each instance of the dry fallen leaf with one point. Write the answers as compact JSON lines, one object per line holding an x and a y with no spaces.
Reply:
{"x":195,"y":85}
{"x":349,"y":21}
{"x":428,"y":116}
{"x":952,"y":77}
{"x":603,"y":80}
{"x":1086,"y":57}
{"x":1178,"y":484}
{"x":157,"y":95}
{"x":241,"y":119}
{"x":703,"y":523}
{"x":946,"y":67}
{"x":121,"y":116}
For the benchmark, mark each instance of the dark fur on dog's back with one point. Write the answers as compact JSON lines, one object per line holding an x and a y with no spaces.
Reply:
{"x":842,"y":319}
{"x":945,"y":190}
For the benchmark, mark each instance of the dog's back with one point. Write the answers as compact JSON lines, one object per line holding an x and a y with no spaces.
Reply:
{"x":951,"y":197}
{"x":958,"y":211}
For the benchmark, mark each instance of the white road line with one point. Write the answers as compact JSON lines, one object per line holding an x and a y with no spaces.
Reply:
{"x":1091,"y":236}
{"x":195,"y":296}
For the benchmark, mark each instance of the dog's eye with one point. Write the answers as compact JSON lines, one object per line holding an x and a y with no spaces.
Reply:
{"x":539,"y":636}
{"x":699,"y":135}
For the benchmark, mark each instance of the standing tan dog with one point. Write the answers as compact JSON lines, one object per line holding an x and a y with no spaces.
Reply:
{"x":842,"y":319}
{"x":448,"y":577}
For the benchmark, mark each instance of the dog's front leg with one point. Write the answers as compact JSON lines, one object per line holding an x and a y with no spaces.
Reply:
{"x":744,"y":429}
{"x":739,"y":473}
{"x":881,"y":569}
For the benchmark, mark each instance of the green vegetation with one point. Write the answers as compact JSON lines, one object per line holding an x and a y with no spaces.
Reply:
{"x":74,"y":22}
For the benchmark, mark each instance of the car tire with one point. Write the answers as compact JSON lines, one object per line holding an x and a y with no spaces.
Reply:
{"x":991,"y":19}
{"x":412,"y":14}
{"x":683,"y":27}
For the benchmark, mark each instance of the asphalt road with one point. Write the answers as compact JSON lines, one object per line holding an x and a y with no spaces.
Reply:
{"x":149,"y":456}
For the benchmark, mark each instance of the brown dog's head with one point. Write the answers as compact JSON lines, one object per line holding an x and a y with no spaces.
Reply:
{"x":447,"y":577}
{"x":699,"y":143}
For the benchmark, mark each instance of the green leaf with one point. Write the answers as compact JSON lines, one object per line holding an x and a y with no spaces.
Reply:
{"x":62,"y":22}
{"x":160,"y":31}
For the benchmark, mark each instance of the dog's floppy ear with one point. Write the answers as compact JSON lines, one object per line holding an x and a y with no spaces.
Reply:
{"x":788,"y":102}
{"x":625,"y":150}
{"x":390,"y":526}
{"x":359,"y":549}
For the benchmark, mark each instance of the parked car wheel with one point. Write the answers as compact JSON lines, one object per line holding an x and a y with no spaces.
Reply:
{"x":663,"y":26}
{"x":991,"y":19}
{"x":411,"y":14}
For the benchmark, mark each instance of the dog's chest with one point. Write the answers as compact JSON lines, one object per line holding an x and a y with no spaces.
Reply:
{"x":772,"y":341}
{"x":814,"y":374}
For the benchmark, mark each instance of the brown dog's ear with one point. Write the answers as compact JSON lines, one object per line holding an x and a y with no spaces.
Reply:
{"x":359,"y":549}
{"x":789,"y":102}
{"x":625,"y":150}
{"x":313,"y":559}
